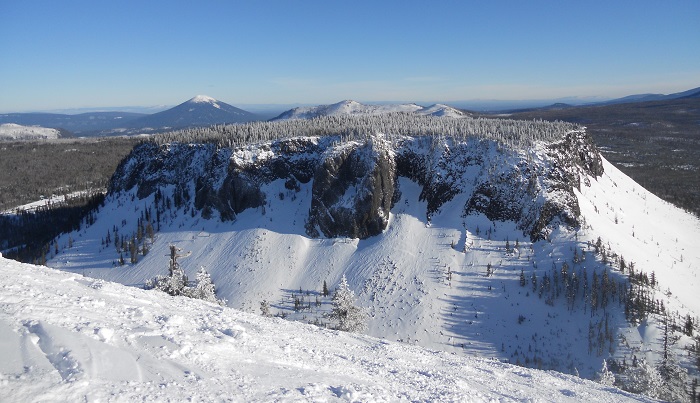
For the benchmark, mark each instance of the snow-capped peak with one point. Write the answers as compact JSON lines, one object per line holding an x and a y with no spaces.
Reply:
{"x":200,"y":99}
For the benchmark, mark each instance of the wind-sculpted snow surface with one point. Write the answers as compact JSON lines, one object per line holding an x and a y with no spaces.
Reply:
{"x":64,"y":337}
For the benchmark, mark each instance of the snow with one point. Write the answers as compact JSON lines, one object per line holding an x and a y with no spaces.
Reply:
{"x":204,"y":99}
{"x":423,"y":282}
{"x":350,"y":107}
{"x":441,"y":110}
{"x":44,"y":203}
{"x":201,"y":99}
{"x":655,"y":234}
{"x":11,"y":131}
{"x":347,"y":107}
{"x":64,"y":337}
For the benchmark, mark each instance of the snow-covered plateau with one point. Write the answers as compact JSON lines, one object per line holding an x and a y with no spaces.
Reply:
{"x":11,"y":131}
{"x":349,"y":107}
{"x":69,"y":338}
{"x":505,"y":240}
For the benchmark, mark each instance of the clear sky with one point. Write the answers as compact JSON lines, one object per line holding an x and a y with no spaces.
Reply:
{"x":72,"y":54}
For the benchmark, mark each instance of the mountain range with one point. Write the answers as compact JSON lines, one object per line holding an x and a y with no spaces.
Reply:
{"x":205,"y":111}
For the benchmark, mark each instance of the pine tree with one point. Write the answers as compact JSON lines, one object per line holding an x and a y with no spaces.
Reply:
{"x":176,"y":281}
{"x":673,"y":376}
{"x":265,"y":308}
{"x":605,"y":376}
{"x":643,"y":379}
{"x":325,"y":292}
{"x":674,"y":379}
{"x":350,"y":318}
{"x":205,"y":288}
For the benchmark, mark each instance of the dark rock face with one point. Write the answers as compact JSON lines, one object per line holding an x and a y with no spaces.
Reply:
{"x":440,"y":171}
{"x":514,"y":195}
{"x":355,"y":183}
{"x":353,"y":192}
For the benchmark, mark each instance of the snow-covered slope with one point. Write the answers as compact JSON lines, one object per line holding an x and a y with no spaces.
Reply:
{"x":350,"y":107}
{"x":64,"y":337}
{"x":486,"y":249}
{"x":441,"y":110}
{"x":347,"y":107}
{"x":11,"y":131}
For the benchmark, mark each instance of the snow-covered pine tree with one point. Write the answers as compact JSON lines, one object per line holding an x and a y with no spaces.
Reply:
{"x":642,"y":379}
{"x":605,"y":376}
{"x":674,"y":380}
{"x":205,"y":288}
{"x":350,"y":317}
{"x":175,"y":283}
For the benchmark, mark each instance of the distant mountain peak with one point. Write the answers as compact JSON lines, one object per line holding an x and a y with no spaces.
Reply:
{"x":202,"y":110}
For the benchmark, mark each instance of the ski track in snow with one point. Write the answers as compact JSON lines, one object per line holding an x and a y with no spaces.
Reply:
{"x":71,"y":338}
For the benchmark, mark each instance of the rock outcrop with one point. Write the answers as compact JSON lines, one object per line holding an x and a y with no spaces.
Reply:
{"x":354,"y":183}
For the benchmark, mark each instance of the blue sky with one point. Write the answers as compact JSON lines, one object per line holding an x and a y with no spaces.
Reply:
{"x":72,"y":54}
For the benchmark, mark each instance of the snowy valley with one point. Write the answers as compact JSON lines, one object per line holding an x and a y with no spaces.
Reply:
{"x":511,"y":241}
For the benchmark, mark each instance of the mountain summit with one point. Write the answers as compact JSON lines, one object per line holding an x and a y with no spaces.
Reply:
{"x":201,"y":110}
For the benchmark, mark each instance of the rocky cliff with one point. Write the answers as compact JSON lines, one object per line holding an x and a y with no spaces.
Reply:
{"x":354,"y":181}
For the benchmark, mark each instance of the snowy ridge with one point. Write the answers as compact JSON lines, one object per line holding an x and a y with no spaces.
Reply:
{"x":441,"y":110}
{"x":112,"y":342}
{"x":354,"y":108}
{"x":347,"y":107}
{"x":11,"y":131}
